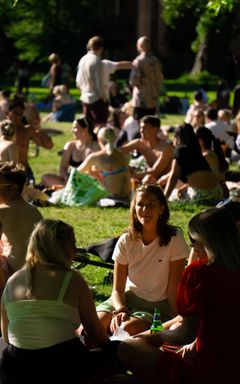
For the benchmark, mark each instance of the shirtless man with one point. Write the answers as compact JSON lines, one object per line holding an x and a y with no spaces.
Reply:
{"x":25,"y":133}
{"x":156,"y":149}
{"x":17,"y":217}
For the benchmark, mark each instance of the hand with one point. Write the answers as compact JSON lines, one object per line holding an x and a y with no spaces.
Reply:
{"x":154,"y":340}
{"x":117,"y":320}
{"x":188,"y":351}
{"x":182,"y":191}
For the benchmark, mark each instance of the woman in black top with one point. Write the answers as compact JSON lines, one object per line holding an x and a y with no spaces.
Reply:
{"x":191,"y":167}
{"x":74,"y":151}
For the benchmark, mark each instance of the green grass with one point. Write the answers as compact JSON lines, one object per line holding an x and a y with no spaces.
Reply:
{"x":92,"y":224}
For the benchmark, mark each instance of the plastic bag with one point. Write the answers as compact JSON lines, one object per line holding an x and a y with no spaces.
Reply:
{"x":120,"y":334}
{"x":82,"y":189}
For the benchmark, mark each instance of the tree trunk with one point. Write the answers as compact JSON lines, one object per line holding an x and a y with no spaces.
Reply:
{"x":200,"y":59}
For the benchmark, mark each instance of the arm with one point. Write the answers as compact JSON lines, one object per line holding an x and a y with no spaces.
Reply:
{"x":118,"y":295}
{"x":119,"y":283}
{"x":176,"y":269}
{"x":4,"y":322}
{"x":88,"y":163}
{"x":185,"y":333}
{"x":173,"y":178}
{"x":130,"y":146}
{"x":64,"y":164}
{"x":124,"y":65}
{"x":162,"y":163}
{"x":92,"y":325}
{"x":41,"y":138}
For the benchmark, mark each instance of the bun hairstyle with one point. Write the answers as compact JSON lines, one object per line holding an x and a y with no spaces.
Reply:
{"x":107,"y":137}
{"x":7,"y":129}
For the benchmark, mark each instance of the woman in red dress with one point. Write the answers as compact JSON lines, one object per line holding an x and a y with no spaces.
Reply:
{"x":209,"y":303}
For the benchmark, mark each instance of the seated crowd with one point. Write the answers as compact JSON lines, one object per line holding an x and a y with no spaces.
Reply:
{"x":47,"y":309}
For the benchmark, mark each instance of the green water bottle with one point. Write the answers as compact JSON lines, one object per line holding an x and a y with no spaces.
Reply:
{"x":156,"y":324}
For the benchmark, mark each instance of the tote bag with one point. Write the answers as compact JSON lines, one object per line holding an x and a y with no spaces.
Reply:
{"x":82,"y":189}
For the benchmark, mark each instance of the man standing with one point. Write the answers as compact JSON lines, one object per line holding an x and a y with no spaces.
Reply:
{"x":146,"y":79}
{"x":89,"y":80}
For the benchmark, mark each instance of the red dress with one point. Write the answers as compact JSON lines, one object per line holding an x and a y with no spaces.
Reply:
{"x":212,"y":293}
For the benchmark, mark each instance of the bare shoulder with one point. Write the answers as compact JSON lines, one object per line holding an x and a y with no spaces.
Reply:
{"x":78,"y":281}
{"x":70,"y":145}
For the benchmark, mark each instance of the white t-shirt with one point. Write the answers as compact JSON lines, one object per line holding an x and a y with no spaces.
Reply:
{"x":109,"y":67}
{"x":89,"y":78}
{"x":148,"y":265}
{"x":220,"y":130}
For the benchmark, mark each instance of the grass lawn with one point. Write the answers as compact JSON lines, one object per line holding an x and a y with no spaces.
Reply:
{"x":94,"y":224}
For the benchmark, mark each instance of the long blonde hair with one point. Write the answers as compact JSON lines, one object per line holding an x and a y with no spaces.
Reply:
{"x":44,"y":247}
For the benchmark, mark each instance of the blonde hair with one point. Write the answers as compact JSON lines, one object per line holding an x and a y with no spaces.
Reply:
{"x":53,"y":58}
{"x":107,"y":137}
{"x":60,"y":90}
{"x":225,"y":114}
{"x":95,"y":43}
{"x":44,"y":247}
{"x":127,"y":107}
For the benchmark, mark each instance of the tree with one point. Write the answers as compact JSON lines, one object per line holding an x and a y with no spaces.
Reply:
{"x":210,"y":15}
{"x":38,"y":28}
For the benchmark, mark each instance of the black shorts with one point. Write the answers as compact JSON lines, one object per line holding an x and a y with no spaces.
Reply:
{"x":97,"y":112}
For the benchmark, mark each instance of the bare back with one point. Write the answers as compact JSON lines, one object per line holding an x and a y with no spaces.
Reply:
{"x":17,"y":219}
{"x":8,"y":151}
{"x":113,"y":169}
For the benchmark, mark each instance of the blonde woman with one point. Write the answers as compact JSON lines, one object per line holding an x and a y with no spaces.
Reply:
{"x":43,"y":304}
{"x":109,"y":165}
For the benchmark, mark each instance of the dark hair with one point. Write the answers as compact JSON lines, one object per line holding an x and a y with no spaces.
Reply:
{"x":198,"y":95}
{"x":5,"y":93}
{"x":151,"y":120}
{"x":15,"y":103}
{"x":236,"y":101}
{"x":216,"y":229}
{"x":212,"y":114}
{"x":212,"y":143}
{"x":165,"y":231}
{"x":188,"y":137}
{"x":13,"y":173}
{"x":231,"y":206}
{"x":86,"y":122}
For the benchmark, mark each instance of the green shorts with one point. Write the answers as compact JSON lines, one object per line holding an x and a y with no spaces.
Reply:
{"x":139,"y":307}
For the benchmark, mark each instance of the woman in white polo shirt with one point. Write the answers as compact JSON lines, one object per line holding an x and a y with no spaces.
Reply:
{"x":149,"y":259}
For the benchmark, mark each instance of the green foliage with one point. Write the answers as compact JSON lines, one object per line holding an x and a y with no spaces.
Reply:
{"x":208,"y":13}
{"x":41,"y":27}
{"x":221,"y":5}
{"x":199,"y":78}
